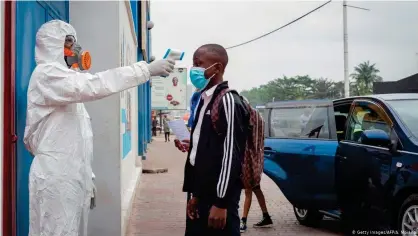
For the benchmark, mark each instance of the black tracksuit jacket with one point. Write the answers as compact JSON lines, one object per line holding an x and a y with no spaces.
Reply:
{"x":217,"y":170}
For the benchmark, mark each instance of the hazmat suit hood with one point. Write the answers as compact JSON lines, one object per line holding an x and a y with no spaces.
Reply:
{"x":49,"y":50}
{"x":50,"y":40}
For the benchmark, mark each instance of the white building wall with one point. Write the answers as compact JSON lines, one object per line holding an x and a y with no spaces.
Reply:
{"x":2,"y":26}
{"x":106,"y":29}
{"x":97,"y":31}
{"x":129,"y":102}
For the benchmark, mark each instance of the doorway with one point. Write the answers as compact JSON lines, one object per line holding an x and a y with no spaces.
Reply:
{"x":30,"y":15}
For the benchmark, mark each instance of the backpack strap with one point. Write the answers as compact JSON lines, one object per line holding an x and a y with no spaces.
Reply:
{"x":214,"y":113}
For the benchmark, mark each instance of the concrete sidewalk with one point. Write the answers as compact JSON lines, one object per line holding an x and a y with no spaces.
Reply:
{"x":159,"y":207}
{"x":155,"y":163}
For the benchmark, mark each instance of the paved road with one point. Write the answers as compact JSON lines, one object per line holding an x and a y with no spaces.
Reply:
{"x":159,"y":204}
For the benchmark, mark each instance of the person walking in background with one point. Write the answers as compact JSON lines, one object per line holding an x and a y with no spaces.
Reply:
{"x":154,"y":126}
{"x":266,"y":220}
{"x":304,"y":118}
{"x":166,"y":128}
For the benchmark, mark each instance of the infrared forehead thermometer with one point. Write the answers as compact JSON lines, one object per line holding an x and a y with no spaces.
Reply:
{"x":174,"y":54}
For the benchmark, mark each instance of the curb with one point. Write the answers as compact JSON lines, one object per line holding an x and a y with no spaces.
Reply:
{"x":155,"y":171}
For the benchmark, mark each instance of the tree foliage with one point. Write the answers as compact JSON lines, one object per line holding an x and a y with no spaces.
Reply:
{"x":364,"y":76}
{"x":305,"y":87}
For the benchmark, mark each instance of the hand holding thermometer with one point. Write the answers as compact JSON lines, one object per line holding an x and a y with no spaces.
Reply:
{"x":174,"y":54}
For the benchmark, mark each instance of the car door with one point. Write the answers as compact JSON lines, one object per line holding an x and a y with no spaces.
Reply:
{"x":299,"y":152}
{"x":364,"y":170}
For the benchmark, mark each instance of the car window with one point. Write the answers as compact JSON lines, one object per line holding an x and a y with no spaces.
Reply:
{"x":299,"y":122}
{"x":366,"y":116}
{"x":340,"y":115}
{"x":408,"y":116}
{"x":263,"y":113}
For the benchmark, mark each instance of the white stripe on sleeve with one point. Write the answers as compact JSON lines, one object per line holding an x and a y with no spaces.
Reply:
{"x":229,"y":107}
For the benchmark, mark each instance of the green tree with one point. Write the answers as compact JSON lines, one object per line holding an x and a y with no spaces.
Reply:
{"x":337,"y":90}
{"x":304,"y":87}
{"x":321,"y":89}
{"x":365,"y":74}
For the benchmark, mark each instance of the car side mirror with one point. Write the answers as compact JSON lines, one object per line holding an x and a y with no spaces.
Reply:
{"x":376,"y":137}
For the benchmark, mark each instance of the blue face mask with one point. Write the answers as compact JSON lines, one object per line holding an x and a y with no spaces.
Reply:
{"x":198,"y":79}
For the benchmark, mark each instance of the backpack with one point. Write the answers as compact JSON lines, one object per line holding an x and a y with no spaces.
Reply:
{"x":253,"y":163}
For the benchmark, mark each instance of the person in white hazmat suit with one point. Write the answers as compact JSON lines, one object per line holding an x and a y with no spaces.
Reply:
{"x":58,"y":131}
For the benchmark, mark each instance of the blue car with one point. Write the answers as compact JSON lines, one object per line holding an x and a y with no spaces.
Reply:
{"x":326,"y":155}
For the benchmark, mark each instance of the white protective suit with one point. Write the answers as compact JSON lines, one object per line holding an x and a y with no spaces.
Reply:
{"x":58,"y":132}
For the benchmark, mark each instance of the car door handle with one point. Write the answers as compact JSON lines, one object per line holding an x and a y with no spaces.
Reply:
{"x":341,"y":158}
{"x":268,"y":151}
{"x":268,"y":154}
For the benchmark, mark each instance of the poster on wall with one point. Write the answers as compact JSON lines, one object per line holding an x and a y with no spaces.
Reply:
{"x":170,"y":93}
{"x":127,"y":57}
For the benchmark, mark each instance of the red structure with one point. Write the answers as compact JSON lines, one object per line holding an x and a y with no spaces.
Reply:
{"x":9,"y":137}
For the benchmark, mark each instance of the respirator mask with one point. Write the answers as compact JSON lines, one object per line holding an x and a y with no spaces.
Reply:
{"x":75,"y":56}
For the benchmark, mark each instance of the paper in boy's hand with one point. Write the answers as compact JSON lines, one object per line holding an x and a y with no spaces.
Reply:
{"x":179,"y":129}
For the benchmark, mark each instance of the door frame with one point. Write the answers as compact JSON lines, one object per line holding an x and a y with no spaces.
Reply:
{"x":9,"y":137}
{"x":328,"y":201}
{"x":341,"y":156}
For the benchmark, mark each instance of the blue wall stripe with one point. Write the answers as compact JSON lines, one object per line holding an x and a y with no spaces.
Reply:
{"x":134,"y":9}
{"x":141,"y":94}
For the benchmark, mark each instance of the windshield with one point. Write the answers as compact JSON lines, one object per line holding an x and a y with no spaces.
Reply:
{"x":407,"y":113}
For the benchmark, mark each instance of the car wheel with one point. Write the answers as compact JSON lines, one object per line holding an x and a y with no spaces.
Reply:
{"x":310,"y":218}
{"x":408,"y":216}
